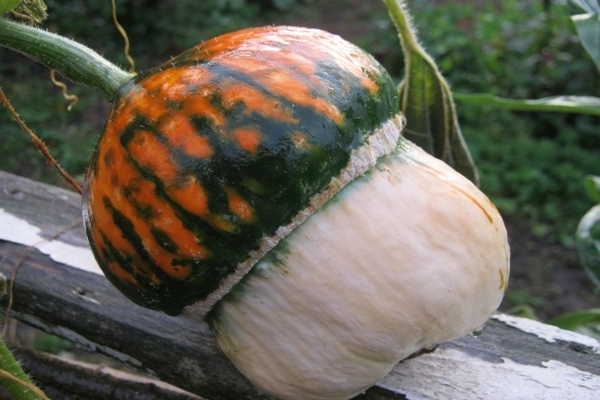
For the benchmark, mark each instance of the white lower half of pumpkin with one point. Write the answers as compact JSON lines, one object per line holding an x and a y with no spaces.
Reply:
{"x":407,"y":256}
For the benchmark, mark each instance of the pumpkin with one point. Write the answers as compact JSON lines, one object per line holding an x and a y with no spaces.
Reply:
{"x":260,"y":181}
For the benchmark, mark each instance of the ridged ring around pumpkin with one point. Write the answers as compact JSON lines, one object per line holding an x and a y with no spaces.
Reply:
{"x":205,"y":158}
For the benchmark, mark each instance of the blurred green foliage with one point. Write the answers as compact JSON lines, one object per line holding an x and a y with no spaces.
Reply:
{"x":156,"y":29}
{"x":524,"y":301}
{"x":586,"y":322}
{"x":52,"y":344}
{"x":71,"y":136}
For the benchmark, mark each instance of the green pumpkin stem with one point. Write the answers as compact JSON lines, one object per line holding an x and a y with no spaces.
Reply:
{"x":73,"y":60}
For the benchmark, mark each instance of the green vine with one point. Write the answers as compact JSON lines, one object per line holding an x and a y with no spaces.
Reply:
{"x":74,"y":60}
{"x":426,"y":100}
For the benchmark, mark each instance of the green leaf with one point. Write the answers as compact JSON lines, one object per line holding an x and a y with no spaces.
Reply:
{"x":565,"y":104}
{"x":575,"y":319}
{"x":8,"y":5}
{"x":427,"y":103}
{"x":588,"y":243}
{"x":589,"y":6}
{"x":523,"y":311}
{"x":588,"y":27}
{"x":20,"y":388}
{"x":586,"y":322}
{"x":592,"y":187}
{"x":72,"y":59}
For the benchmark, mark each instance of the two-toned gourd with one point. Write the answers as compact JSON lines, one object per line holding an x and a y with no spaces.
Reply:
{"x":260,"y":180}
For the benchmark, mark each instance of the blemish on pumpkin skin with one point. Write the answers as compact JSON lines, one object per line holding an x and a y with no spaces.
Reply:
{"x":254,"y":186}
{"x":299,"y":140}
{"x":221,"y":223}
{"x":476,"y":202}
{"x":502,"y":280}
{"x":109,"y":157}
{"x":156,"y":280}
{"x":114,"y":179}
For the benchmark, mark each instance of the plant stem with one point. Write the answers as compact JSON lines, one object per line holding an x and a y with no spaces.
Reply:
{"x":75,"y":61}
{"x":19,"y":386}
{"x":408,"y":37}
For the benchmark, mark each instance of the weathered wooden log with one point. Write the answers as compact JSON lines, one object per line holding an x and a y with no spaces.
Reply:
{"x":67,"y":379}
{"x":58,"y":288}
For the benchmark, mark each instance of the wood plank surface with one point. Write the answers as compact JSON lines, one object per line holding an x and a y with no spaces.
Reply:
{"x":67,"y":379}
{"x":514,"y":358}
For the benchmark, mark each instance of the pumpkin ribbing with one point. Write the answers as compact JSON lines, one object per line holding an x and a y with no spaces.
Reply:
{"x":215,"y":150}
